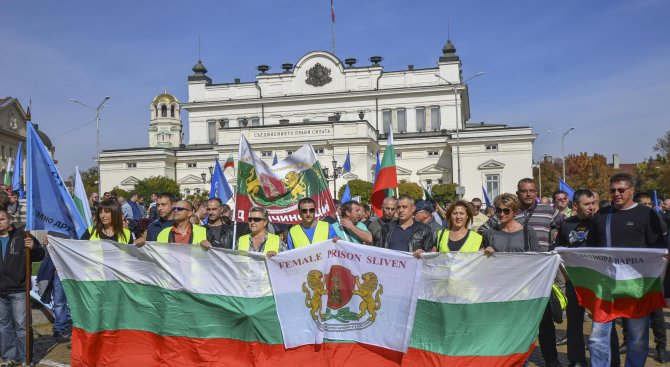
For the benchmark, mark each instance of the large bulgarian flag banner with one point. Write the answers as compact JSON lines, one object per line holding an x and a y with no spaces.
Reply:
{"x":278,"y":188}
{"x":175,"y":305}
{"x":616,"y":282}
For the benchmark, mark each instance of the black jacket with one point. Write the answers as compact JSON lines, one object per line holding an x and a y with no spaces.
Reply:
{"x":223,"y":240}
{"x":13,"y":267}
{"x":422,"y":236}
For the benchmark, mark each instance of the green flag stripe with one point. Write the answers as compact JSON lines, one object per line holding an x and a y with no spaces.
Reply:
{"x":609,"y":289}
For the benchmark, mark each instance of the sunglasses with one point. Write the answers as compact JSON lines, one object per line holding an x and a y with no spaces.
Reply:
{"x":255,"y":219}
{"x":620,"y":190}
{"x":179,"y":209}
{"x":505,"y":211}
{"x":309,"y":210}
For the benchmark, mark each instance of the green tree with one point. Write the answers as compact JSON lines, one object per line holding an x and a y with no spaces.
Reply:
{"x":411,"y":189}
{"x":654,"y":173}
{"x":444,"y":193}
{"x":119,"y":192}
{"x":358,"y":188}
{"x":156,"y":184}
{"x":551,"y":171}
{"x":202,"y":196}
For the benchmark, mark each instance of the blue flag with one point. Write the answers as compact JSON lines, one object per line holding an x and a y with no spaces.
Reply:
{"x":220,"y":187}
{"x":655,"y":201}
{"x":275,"y":160}
{"x":346,"y":195}
{"x":50,"y":207}
{"x":377,"y":167}
{"x":563,"y":186}
{"x":486,"y":198}
{"x":16,"y":178}
{"x":346,"y":167}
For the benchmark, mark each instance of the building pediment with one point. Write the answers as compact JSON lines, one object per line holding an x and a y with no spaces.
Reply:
{"x":349,"y":176}
{"x":432,"y":169}
{"x":491,"y":164}
{"x":402,"y":171}
{"x":130,"y":181}
{"x":190,"y":179}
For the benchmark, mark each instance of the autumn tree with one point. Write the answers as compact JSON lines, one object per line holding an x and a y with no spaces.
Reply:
{"x":551,"y":171}
{"x":589,"y":172}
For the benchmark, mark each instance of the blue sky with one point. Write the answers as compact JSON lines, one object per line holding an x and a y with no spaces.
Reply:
{"x":602,"y":67}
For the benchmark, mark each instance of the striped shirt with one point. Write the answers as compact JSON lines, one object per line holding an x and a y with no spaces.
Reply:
{"x":543,"y":220}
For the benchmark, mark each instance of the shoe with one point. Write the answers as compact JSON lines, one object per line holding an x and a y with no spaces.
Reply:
{"x":563,"y":341}
{"x":623,"y":348}
{"x":577,"y":364}
{"x":661,"y":355}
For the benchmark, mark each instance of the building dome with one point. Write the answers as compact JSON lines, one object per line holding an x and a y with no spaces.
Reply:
{"x":165,"y":97}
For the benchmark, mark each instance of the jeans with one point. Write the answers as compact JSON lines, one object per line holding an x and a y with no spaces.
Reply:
{"x":657,"y":320}
{"x":13,"y":326}
{"x":61,"y":310}
{"x":638,"y":343}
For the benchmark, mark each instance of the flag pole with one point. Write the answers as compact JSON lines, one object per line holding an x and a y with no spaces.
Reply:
{"x":28,"y":314}
{"x":332,"y":24}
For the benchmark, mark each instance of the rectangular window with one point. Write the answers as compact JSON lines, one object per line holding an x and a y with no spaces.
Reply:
{"x":255,"y":121}
{"x":289,"y":152}
{"x":211,"y":131}
{"x":318,"y":151}
{"x":429,"y":186}
{"x":435,"y":118}
{"x":401,"y":118}
{"x":131,"y":165}
{"x":492,"y":147}
{"x":266,"y":153}
{"x":493,"y":185}
{"x":433,"y":153}
{"x":386,"y":121}
{"x":191,"y":165}
{"x":398,"y":155}
{"x":420,"y":119}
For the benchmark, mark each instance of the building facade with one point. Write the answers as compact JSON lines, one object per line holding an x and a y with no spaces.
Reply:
{"x":338,"y":107}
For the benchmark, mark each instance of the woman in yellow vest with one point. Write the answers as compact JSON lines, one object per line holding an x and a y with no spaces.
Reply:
{"x":260,"y":240}
{"x":458,"y":237}
{"x":108,"y":224}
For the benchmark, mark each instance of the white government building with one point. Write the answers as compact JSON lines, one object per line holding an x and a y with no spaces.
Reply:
{"x":336,"y":107}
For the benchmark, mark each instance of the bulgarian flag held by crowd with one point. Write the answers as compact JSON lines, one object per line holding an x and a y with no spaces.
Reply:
{"x":8,"y":174}
{"x":81,"y":199}
{"x":167,"y":305}
{"x":387,"y":178}
{"x":616,"y":282}
{"x":278,"y":188}
{"x":230,"y":162}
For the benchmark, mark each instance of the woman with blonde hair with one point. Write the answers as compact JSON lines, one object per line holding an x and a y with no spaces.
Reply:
{"x":509,"y":235}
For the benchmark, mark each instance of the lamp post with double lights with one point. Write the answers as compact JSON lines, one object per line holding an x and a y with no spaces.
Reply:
{"x":459,"y":190}
{"x":336,"y":173}
{"x":204,"y":175}
{"x":562,"y":135}
{"x":97,"y":131}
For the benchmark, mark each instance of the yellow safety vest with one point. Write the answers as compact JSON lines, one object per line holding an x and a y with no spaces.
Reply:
{"x":472,"y":244}
{"x":271,"y":244}
{"x":198,"y":234}
{"x":96,"y":236}
{"x":300,"y":238}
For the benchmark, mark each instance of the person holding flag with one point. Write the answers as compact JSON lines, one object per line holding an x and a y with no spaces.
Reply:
{"x":310,"y":230}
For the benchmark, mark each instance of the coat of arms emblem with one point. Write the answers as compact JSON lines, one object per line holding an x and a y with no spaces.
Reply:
{"x":318,"y":76}
{"x":340,"y":285}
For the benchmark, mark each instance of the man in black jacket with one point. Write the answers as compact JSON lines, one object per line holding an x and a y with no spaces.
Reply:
{"x":219,"y":234}
{"x":13,"y":287}
{"x":406,"y":234}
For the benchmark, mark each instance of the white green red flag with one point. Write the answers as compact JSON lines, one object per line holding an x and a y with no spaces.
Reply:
{"x":166,"y":304}
{"x":8,"y":174}
{"x":230,"y":162}
{"x":387,"y":178}
{"x":278,"y":188}
{"x":616,"y":282}
{"x":81,"y":199}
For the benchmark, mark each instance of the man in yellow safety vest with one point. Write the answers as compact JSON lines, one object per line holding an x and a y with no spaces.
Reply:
{"x":310,"y":230}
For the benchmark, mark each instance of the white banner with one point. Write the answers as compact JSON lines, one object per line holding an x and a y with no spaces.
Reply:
{"x":345,"y":291}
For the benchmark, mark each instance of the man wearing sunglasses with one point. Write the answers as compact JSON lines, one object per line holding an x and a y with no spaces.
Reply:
{"x":624,"y":224}
{"x":183,"y":231}
{"x":310,"y":230}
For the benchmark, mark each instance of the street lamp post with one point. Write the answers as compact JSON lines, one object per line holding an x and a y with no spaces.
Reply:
{"x":336,"y":173}
{"x":97,"y":131}
{"x":562,"y":135}
{"x":455,"y":86}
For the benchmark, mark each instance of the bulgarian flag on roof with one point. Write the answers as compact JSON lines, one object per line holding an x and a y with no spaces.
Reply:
{"x":616,"y":282}
{"x":278,"y":188}
{"x":387,"y":178}
{"x":230,"y":162}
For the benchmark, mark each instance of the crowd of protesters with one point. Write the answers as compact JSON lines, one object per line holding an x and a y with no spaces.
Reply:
{"x":520,"y":222}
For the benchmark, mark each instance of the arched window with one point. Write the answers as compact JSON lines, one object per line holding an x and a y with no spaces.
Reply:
{"x":156,"y":109}
{"x":163,"y":111}
{"x":172,"y":111}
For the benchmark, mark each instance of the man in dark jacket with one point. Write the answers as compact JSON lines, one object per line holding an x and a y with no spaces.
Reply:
{"x":219,"y":234}
{"x":13,"y":287}
{"x":406,"y":234}
{"x":164,"y":208}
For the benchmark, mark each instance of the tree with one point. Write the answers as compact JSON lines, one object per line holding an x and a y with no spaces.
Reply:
{"x":550,"y":174}
{"x":589,"y":172}
{"x":358,"y":188}
{"x":654,"y":173}
{"x":444,"y":193}
{"x":119,"y":192}
{"x":198,"y":197}
{"x":411,"y":189}
{"x":156,"y":184}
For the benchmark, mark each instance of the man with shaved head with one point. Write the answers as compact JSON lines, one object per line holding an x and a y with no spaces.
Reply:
{"x":182,"y":231}
{"x":388,"y":213}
